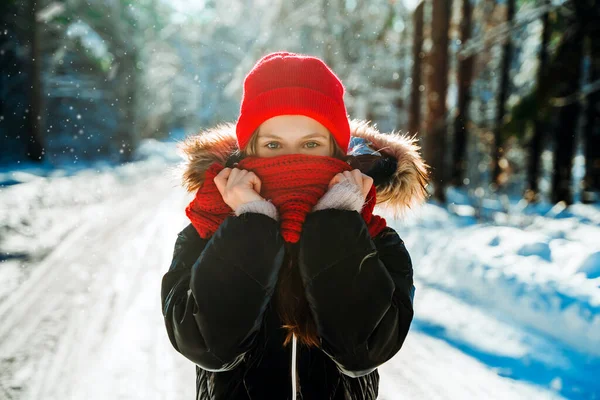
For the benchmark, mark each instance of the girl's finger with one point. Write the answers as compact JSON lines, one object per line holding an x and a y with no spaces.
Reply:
{"x":350,"y":178}
{"x":367,"y":183}
{"x":233,"y":177}
{"x":336,"y":179}
{"x":221,"y":179}
{"x":358,"y":176}
{"x":225,"y":172}
{"x":255,"y":181}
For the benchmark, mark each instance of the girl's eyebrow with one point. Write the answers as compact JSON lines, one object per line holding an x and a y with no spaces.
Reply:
{"x":315,"y":135}
{"x":267,"y":136}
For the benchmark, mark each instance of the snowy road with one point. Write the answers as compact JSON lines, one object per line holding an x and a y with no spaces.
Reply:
{"x":87,"y":323}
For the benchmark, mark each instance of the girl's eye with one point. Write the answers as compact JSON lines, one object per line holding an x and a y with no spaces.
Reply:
{"x":312,"y":145}
{"x":272,"y":145}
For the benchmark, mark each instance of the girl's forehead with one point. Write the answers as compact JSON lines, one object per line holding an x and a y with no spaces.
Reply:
{"x":296,"y":124}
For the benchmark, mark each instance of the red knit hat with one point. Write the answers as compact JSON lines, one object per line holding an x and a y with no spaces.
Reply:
{"x":285,"y":83}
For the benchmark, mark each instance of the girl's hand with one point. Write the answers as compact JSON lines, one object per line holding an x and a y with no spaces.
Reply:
{"x":355,"y":177}
{"x":238,"y":186}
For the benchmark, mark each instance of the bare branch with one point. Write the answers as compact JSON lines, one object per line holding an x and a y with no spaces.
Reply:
{"x":579,"y":96}
{"x":501,"y":32}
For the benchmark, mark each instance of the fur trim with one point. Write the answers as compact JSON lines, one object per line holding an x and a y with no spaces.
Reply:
{"x":408,"y":185}
{"x":200,"y":151}
{"x":405,"y":188}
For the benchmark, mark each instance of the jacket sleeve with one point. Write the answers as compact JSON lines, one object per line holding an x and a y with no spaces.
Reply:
{"x":216,"y":291}
{"x":360,"y":290}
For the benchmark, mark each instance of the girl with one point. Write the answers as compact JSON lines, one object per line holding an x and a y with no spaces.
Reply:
{"x":285,"y":284}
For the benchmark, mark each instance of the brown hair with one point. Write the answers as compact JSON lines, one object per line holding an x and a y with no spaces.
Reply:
{"x":291,"y":303}
{"x":289,"y":297}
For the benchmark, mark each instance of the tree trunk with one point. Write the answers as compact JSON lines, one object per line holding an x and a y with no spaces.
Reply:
{"x":465,"y":76}
{"x":127,"y":135}
{"x":35,"y":149}
{"x":504,"y":90}
{"x":591,"y":133}
{"x":535,"y":145}
{"x":437,"y":82}
{"x":3,"y":45}
{"x":414,"y":117}
{"x":568,"y":115}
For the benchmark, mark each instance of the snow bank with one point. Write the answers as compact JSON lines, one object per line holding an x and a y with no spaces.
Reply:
{"x":544,"y":275}
{"x":39,"y":205}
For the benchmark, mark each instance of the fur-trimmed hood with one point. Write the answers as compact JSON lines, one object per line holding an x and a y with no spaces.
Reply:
{"x":392,"y":160}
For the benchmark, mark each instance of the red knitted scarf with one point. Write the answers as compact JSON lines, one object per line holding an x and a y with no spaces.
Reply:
{"x":294,"y":184}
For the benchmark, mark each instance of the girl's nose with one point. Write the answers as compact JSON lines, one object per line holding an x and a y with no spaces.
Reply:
{"x":286,"y":151}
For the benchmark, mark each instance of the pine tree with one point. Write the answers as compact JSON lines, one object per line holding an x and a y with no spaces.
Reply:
{"x":535,"y":145}
{"x":414,"y":115}
{"x":34,"y":149}
{"x":591,"y":132}
{"x":437,"y":87}
{"x":465,"y":76}
{"x":507,"y":51}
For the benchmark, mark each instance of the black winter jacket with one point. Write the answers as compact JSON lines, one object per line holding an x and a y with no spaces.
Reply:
{"x":216,"y":300}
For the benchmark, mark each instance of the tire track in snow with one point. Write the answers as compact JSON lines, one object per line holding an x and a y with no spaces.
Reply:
{"x":20,"y":304}
{"x":85,"y":332}
{"x":139,"y":330}
{"x":75,"y":307}
{"x":135,"y":259}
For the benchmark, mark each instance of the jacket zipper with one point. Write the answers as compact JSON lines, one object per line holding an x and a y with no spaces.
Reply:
{"x":294,"y":383}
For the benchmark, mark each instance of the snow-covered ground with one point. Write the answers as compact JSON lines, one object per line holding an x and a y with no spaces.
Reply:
{"x":507,"y":309}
